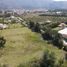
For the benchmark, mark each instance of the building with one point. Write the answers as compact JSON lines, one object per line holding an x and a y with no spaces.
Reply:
{"x":48,"y":21}
{"x":3,"y":26}
{"x":63,"y":33}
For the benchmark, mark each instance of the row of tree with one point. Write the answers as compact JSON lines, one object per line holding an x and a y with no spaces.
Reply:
{"x":47,"y":32}
{"x":34,"y":26}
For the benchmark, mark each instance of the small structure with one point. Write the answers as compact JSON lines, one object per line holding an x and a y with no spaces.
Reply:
{"x":3,"y":26}
{"x":58,"y":12}
{"x":12,"y":17}
{"x":63,"y":33}
{"x":62,"y":25}
{"x":48,"y":21}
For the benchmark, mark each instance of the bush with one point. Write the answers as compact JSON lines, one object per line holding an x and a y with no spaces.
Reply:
{"x":20,"y":65}
{"x":53,"y":25}
{"x":66,"y":56}
{"x":37,"y":28}
{"x":47,"y":35}
{"x":57,"y":40}
{"x":4,"y":65}
{"x":31,"y":24}
{"x":65,"y":48}
{"x":2,"y":42}
{"x":60,"y":63}
{"x":35,"y":63}
{"x":48,"y":60}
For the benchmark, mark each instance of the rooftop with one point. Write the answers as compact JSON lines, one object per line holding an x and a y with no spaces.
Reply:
{"x":63,"y":31}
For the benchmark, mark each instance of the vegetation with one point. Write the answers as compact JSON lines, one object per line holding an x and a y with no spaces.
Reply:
{"x":36,"y":18}
{"x":34,"y":26}
{"x":57,"y":40}
{"x":48,"y":60}
{"x":65,"y":48}
{"x":24,"y":48}
{"x":2,"y":42}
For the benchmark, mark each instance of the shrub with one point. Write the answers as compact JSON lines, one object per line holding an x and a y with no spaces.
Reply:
{"x":48,"y":60}
{"x":20,"y":65}
{"x":65,"y":48}
{"x":2,"y":42}
{"x":4,"y":65}
{"x":37,"y":28}
{"x":47,"y":35}
{"x":35,"y":64}
{"x":66,"y":56}
{"x":60,"y":63}
{"x":53,"y":25}
{"x":57,"y":40}
{"x":31,"y":24}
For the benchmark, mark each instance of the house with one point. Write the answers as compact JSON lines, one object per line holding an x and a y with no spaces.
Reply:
{"x":48,"y":21}
{"x":63,"y":33}
{"x":3,"y":26}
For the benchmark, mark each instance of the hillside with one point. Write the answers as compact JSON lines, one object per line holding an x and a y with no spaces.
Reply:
{"x":23,"y":46}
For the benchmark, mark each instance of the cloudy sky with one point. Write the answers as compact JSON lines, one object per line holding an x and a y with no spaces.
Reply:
{"x":33,"y":3}
{"x":60,"y":0}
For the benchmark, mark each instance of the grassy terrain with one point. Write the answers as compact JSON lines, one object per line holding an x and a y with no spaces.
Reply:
{"x":23,"y":45}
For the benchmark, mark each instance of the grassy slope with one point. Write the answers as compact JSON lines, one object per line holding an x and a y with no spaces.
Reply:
{"x":23,"y":46}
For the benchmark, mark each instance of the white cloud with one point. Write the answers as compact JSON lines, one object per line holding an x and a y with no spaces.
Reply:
{"x":60,"y":0}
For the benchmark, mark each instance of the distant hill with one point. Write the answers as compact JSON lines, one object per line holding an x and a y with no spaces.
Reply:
{"x":59,"y":5}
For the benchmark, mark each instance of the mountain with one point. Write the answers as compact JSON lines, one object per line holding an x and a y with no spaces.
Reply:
{"x":30,"y":4}
{"x":59,"y":5}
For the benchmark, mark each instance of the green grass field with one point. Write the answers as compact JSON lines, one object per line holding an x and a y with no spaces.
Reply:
{"x":23,"y":45}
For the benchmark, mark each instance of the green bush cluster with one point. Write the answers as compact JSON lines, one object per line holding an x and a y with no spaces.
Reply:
{"x":48,"y":60}
{"x":2,"y":41}
{"x":48,"y":34}
{"x":34,"y":26}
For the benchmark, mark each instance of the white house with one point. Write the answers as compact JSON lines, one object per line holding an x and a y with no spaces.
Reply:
{"x":3,"y":26}
{"x":63,"y":33}
{"x":48,"y":21}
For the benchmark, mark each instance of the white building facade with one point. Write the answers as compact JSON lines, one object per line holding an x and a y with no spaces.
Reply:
{"x":63,"y":33}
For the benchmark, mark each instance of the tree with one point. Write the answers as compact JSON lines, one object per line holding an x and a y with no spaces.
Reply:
{"x":2,"y":41}
{"x":37,"y":27}
{"x":47,"y":33}
{"x":53,"y":25}
{"x":65,"y":48}
{"x":48,"y":60}
{"x":31,"y":24}
{"x":57,"y":40}
{"x":60,"y":62}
